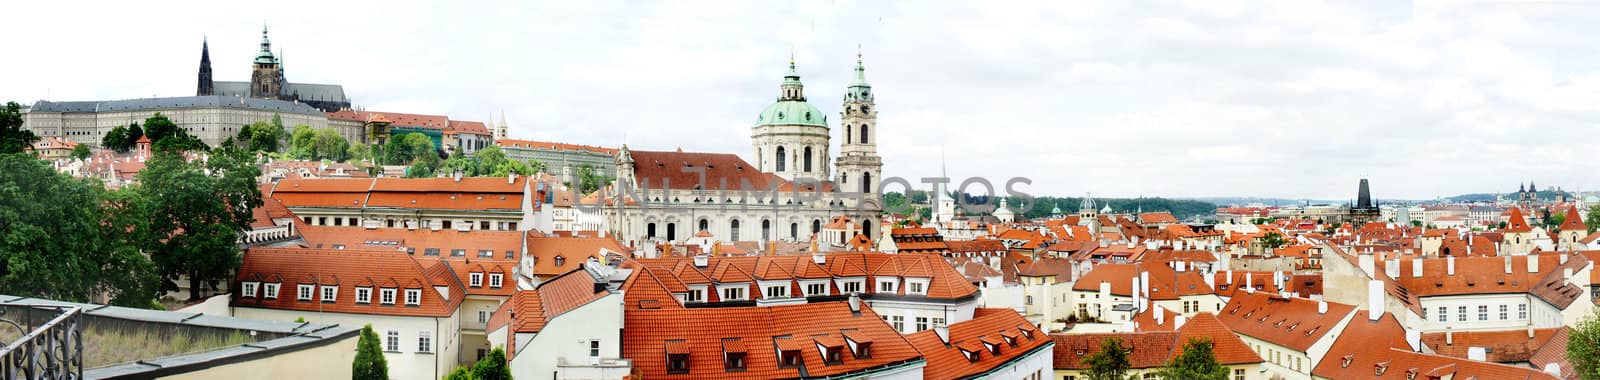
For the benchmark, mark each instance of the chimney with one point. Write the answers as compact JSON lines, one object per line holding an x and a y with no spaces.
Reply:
{"x":943,"y":332}
{"x":1211,"y":280}
{"x":1229,"y":279}
{"x":1374,"y":300}
{"x":1563,"y":258}
{"x":1105,"y":290}
{"x":819,"y":258}
{"x":1391,"y":267}
{"x":1277,"y":280}
{"x":1161,"y":315}
{"x":1530,"y":331}
{"x":511,"y":178}
{"x":1416,"y":267}
{"x":1552,"y":369}
{"x":1533,"y":263}
{"x":1368,"y":264}
{"x":1144,"y":285}
{"x":1136,"y":295}
{"x":1249,"y":283}
{"x":1179,"y":320}
{"x":1566,"y":274}
{"x":701,"y":260}
{"x":1414,"y":338}
{"x":1182,"y":266}
{"x":1450,"y":265}
{"x":1449,"y":336}
{"x":1508,"y":264}
{"x":1322,"y":307}
{"x":855,"y":302}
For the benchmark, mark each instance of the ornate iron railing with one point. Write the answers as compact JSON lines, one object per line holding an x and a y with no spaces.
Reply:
{"x":52,"y":350}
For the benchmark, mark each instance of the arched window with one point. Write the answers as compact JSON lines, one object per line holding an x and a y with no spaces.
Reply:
{"x":847,"y":132}
{"x":705,"y":225}
{"x":794,"y":231}
{"x":863,"y":134}
{"x":781,"y":160}
{"x":766,"y":230}
{"x":733,"y":227}
{"x":650,"y":230}
{"x":816,"y":226}
{"x":808,"y":159}
{"x":866,"y":183}
{"x":672,"y":231}
{"x":866,"y":228}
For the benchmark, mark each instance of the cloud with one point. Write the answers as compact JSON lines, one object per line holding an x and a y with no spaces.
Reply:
{"x":1281,"y":98}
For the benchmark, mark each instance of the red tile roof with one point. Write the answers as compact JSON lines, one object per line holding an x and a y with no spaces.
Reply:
{"x":529,"y":144}
{"x":1000,"y":327}
{"x":669,"y":169}
{"x":1505,"y":346}
{"x":472,"y":193}
{"x":1150,"y":349}
{"x":1165,"y":283}
{"x":944,"y":282}
{"x":544,"y":251}
{"x":1289,"y":322}
{"x":1516,"y":222}
{"x":1377,"y":350}
{"x":346,"y":269}
{"x":1487,"y":274}
{"x":1157,"y":217}
{"x":1574,"y":220}
{"x":650,"y":335}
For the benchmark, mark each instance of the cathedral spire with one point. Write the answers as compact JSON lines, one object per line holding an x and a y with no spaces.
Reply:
{"x":265,"y":55}
{"x":791,"y":89}
{"x":204,"y":87}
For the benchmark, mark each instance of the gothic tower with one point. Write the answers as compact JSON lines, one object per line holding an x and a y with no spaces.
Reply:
{"x":791,"y":136}
{"x":860,"y":168}
{"x":266,"y":81}
{"x":204,"y":88}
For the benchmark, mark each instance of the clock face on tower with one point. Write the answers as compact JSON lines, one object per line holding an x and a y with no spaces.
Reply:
{"x":865,"y":109}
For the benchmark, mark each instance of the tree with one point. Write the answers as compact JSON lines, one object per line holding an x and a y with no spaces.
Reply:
{"x":116,"y":139}
{"x":1196,"y":362}
{"x":81,"y":151}
{"x":369,"y":363}
{"x":405,"y":148}
{"x":1111,"y":363}
{"x":165,"y":135}
{"x":492,"y":367}
{"x":1593,"y":218}
{"x":1583,"y":347}
{"x":460,"y":373}
{"x":261,"y":136}
{"x":13,"y":138}
{"x":64,"y":238}
{"x":197,"y":211}
{"x":590,"y":179}
{"x":1273,"y":240}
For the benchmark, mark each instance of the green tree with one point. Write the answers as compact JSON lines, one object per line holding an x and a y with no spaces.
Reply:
{"x":81,"y":151}
{"x":405,"y":148}
{"x":13,"y":138}
{"x":1273,"y":240}
{"x":197,"y":211}
{"x":1593,"y":218}
{"x":1583,"y":347}
{"x":1111,"y":363}
{"x":261,"y":136}
{"x":64,"y":238}
{"x":158,"y":127}
{"x":116,"y":139}
{"x":492,"y":367}
{"x":369,"y":363}
{"x":589,"y":179}
{"x":460,"y":373}
{"x":1197,"y":362}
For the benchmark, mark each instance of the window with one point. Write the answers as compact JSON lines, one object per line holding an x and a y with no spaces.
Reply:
{"x":898,"y":322}
{"x":430,"y":252}
{"x":733,"y":226}
{"x":1503,"y":313}
{"x":735,"y":362}
{"x":695,"y":295}
{"x":391,"y":341}
{"x":330,"y":293}
{"x":444,"y":224}
{"x":678,"y":363}
{"x":483,"y":225}
{"x":1442,"y":314}
{"x":938,"y":321}
{"x":486,"y":253}
{"x":424,"y":341}
{"x":852,"y":287}
{"x":886,"y":286}
{"x":791,"y":359}
{"x":496,"y":280}
{"x":1522,"y":311}
{"x":594,"y":348}
{"x":807,"y":160}
{"x":1029,"y":300}
{"x":561,"y":260}
{"x":483,"y":316}
{"x":247,"y":289}
{"x":922,"y":323}
{"x":305,"y":293}
{"x":777,"y":291}
{"x":458,"y":252}
{"x":475,"y":279}
{"x":781,"y":160}
{"x":386,"y":296}
{"x":413,"y":297}
{"x":1483,"y":312}
{"x":1461,"y":312}
{"x":916,"y":287}
{"x":363,"y":295}
{"x":817,"y":289}
{"x":1238,"y":374}
{"x":731,"y":294}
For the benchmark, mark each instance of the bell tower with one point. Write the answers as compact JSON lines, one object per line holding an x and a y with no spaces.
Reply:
{"x":266,"y":81}
{"x":859,"y":167}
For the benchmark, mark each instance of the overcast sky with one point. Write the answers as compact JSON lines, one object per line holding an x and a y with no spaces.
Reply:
{"x":1118,"y":98}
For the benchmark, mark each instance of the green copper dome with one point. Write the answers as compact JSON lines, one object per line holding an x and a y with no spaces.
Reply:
{"x":791,"y":112}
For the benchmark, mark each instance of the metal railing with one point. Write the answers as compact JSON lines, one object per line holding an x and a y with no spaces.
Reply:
{"x":52,"y":350}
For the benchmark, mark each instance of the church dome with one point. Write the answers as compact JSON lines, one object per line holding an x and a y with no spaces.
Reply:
{"x":792,"y":112}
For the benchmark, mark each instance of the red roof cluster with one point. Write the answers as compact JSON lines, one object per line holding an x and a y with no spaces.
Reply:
{"x":271,"y":278}
{"x":992,"y":338}
{"x":762,"y":342}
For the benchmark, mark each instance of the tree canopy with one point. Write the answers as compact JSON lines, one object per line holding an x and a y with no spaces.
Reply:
{"x":1197,"y":362}
{"x":1583,"y":346}
{"x":13,"y":138}
{"x":369,"y":363}
{"x":492,"y":367}
{"x":262,"y":136}
{"x":405,"y":148}
{"x":1111,"y":363}
{"x":166,"y":136}
{"x":308,"y":143}
{"x":197,"y":211}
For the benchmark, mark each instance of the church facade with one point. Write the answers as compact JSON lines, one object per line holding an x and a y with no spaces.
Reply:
{"x":267,"y":82}
{"x":787,"y":192}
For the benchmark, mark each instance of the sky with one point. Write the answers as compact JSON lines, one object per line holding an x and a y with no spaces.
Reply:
{"x":1117,"y":98}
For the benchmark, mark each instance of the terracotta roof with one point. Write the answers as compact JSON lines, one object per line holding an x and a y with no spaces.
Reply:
{"x":975,"y":246}
{"x":529,"y":144}
{"x":1505,"y":346}
{"x":347,"y":270}
{"x":1555,"y":352}
{"x":1574,"y":220}
{"x":1157,"y":217}
{"x":1289,"y":322}
{"x":472,"y":127}
{"x":650,"y":335}
{"x":1004,"y":328}
{"x":395,"y":118}
{"x":473,"y":193}
{"x":944,"y":282}
{"x":1516,"y":222}
{"x":1487,"y":275}
{"x":1150,"y":349}
{"x":1377,"y":350}
{"x":1226,"y":346}
{"x":551,"y":299}
{"x":544,"y":251}
{"x":1165,"y":283}
{"x":668,"y":169}
{"x":1048,"y":266}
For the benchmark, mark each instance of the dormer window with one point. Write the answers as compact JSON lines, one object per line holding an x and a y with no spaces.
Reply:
{"x":778,"y":291}
{"x":1380,"y":368}
{"x":330,"y":293}
{"x":734,"y":362}
{"x":413,"y":297}
{"x":496,"y":280}
{"x":270,"y":291}
{"x":364,"y":295}
{"x":475,"y":279}
{"x":678,"y":363}
{"x":789,"y":359}
{"x":247,"y":289}
{"x":886,"y":286}
{"x":386,"y":296}
{"x":834,"y":355}
{"x":304,"y":293}
{"x":1345,"y":362}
